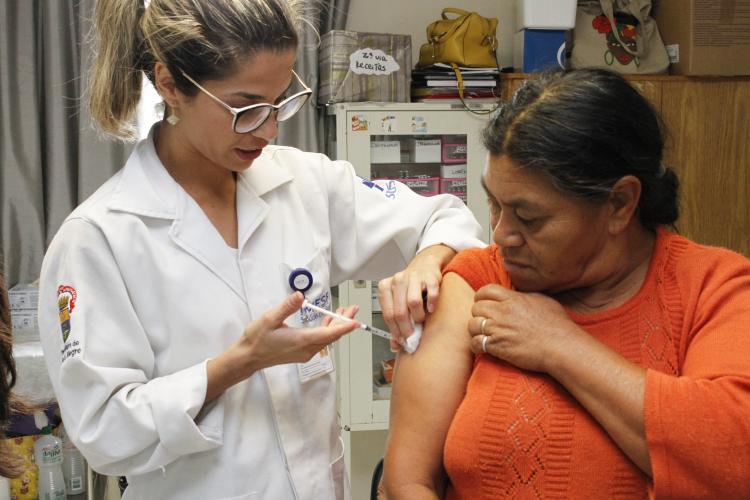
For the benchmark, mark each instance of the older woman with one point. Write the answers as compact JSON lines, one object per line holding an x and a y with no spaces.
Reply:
{"x":606,"y":357}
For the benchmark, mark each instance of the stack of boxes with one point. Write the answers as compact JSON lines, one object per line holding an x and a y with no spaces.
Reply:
{"x":453,"y":169}
{"x":23,"y":311}
{"x":539,"y":43}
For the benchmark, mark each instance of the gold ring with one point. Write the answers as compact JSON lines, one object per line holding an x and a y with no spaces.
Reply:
{"x":481,"y":326}
{"x":484,"y":343}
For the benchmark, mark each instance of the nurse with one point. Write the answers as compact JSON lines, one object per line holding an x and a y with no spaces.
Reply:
{"x":178,"y":349}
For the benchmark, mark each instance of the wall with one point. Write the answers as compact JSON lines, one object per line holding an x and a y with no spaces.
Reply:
{"x":411,"y":17}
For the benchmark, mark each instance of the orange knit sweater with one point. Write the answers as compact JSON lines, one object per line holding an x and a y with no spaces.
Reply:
{"x":520,"y":434}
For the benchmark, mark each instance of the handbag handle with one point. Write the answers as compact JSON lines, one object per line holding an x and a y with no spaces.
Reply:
{"x":608,"y":10}
{"x":453,"y":10}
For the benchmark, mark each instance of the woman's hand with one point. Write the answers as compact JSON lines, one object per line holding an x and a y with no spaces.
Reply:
{"x":524,"y":329}
{"x":268,"y":341}
{"x":406,"y":295}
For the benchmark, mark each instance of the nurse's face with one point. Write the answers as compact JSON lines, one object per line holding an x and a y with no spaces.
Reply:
{"x":206,"y":125}
{"x":550,"y":241}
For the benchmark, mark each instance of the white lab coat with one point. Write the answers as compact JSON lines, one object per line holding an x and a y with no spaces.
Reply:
{"x":155,"y":292}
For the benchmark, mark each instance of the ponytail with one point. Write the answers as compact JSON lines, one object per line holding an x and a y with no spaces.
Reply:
{"x":204,"y":38}
{"x":115,"y":80}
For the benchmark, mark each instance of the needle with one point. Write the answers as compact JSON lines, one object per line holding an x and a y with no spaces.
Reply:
{"x":371,"y":329}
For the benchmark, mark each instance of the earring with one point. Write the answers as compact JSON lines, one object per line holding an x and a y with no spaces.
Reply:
{"x":173,"y":119}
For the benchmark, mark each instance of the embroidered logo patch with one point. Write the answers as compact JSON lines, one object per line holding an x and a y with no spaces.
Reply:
{"x":66,"y":302}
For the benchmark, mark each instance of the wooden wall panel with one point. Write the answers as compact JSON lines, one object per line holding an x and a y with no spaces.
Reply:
{"x":709,"y":147}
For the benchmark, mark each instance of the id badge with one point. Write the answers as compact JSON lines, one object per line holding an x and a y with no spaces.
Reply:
{"x":319,"y":365}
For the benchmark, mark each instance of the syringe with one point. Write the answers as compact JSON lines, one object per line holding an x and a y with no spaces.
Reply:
{"x":410,"y":344}
{"x":363,"y":326}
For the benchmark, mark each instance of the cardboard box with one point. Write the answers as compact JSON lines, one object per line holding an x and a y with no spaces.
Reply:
{"x":538,"y":50}
{"x":705,"y":38}
{"x":385,"y":152}
{"x":545,"y":14}
{"x":426,"y":150}
{"x":357,"y":67}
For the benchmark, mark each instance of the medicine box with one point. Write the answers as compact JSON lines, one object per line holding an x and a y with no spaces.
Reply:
{"x":457,"y":171}
{"x":24,"y":296}
{"x":545,"y":14}
{"x":538,"y":50}
{"x":385,"y":152}
{"x":426,"y":150}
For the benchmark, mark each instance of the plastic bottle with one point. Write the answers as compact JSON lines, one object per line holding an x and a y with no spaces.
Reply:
{"x":4,"y":488}
{"x":48,"y":454}
{"x":74,"y":466}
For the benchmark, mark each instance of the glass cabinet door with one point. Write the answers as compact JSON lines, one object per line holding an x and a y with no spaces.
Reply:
{"x":433,"y":149}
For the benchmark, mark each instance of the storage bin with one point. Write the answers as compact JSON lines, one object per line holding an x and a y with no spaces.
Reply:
{"x":426,"y":186}
{"x":454,"y":153}
{"x":456,"y":187}
{"x":357,"y":67}
{"x":453,"y":171}
{"x":545,"y":14}
{"x":538,"y":50}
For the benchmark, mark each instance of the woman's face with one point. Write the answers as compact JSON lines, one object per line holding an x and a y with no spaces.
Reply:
{"x":549,"y":240}
{"x":265,"y":77}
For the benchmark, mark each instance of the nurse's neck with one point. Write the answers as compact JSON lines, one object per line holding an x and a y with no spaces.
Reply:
{"x":213,"y":187}
{"x":203,"y":180}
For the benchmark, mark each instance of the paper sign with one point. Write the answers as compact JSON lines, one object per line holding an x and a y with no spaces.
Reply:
{"x":372,"y":62}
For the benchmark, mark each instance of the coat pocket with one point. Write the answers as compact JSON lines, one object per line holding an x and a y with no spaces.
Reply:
{"x":339,"y":478}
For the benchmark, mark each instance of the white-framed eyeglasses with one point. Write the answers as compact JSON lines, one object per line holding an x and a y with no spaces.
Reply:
{"x":250,"y":118}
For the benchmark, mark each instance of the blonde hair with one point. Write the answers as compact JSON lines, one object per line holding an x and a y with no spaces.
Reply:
{"x":203,"y":38}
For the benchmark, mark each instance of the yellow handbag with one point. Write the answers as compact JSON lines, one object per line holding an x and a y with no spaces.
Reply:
{"x":468,"y":40}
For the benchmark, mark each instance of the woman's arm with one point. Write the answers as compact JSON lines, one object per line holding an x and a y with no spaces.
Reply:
{"x":428,"y":387}
{"x":405,"y":295}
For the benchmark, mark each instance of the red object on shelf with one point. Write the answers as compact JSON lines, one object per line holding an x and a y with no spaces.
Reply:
{"x":454,"y":153}
{"x":386,"y":366}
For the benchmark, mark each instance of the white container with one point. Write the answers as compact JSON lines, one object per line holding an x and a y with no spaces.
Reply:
{"x":385,"y":152}
{"x":545,"y":14}
{"x":48,"y":454}
{"x":426,"y":150}
{"x":25,"y":325}
{"x":457,"y":171}
{"x":24,"y":296}
{"x":74,"y":466}
{"x":4,"y":488}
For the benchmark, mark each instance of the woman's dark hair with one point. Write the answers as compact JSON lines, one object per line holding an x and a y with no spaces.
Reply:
{"x":586,"y":129}
{"x":10,"y":465}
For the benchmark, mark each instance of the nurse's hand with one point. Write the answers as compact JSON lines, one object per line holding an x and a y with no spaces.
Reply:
{"x":407,"y":296}
{"x":268,"y":341}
